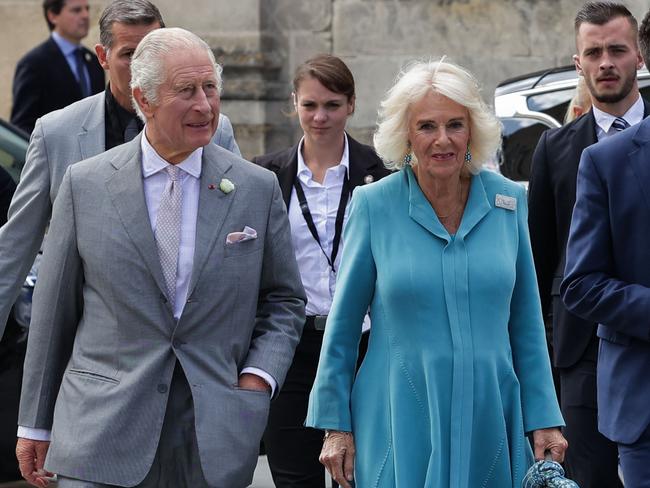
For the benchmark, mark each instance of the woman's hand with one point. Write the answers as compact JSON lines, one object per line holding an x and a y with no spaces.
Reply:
{"x":550,"y":440}
{"x":337,"y":456}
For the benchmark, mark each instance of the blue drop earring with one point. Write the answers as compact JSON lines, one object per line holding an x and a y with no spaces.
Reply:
{"x":468,"y":156}
{"x":408,"y":157}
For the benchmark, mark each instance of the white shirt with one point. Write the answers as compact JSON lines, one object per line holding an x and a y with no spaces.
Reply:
{"x":604,"y":121}
{"x":323,"y":199}
{"x":154,"y":181}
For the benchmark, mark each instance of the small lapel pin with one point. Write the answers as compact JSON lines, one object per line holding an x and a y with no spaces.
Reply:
{"x":88,"y":58}
{"x":504,"y":201}
{"x":211,"y":186}
{"x":368,"y":179}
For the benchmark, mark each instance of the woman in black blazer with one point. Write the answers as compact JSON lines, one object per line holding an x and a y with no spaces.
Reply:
{"x":317,"y":177}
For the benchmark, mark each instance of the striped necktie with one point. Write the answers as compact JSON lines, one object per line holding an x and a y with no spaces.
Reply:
{"x":620,"y":124}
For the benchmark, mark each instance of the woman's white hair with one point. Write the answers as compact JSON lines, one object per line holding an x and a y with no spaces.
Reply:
{"x":147,"y":64}
{"x":445,"y":78}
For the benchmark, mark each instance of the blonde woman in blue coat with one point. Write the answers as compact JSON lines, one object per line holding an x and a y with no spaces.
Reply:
{"x":457,"y":372}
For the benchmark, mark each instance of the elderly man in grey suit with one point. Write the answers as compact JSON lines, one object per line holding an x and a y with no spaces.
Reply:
{"x":79,"y":131}
{"x":169,"y":302}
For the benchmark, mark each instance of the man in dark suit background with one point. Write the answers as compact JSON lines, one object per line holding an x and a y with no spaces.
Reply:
{"x":59,"y":71}
{"x":608,"y":58}
{"x":607,"y":281}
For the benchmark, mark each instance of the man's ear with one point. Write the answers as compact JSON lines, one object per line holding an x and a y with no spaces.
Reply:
{"x":52,"y":17}
{"x":102,"y":52}
{"x":143,"y":102}
{"x":639,"y":61}
{"x":576,"y":62}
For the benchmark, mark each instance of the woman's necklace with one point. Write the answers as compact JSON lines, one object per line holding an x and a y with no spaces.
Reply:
{"x":457,"y":207}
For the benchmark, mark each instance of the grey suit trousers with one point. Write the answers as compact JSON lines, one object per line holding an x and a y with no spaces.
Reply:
{"x":177,"y":463}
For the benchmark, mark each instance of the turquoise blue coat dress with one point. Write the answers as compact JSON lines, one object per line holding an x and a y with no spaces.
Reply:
{"x":457,"y":370}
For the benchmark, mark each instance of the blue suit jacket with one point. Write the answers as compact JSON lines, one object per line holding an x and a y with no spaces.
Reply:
{"x":607,"y":276}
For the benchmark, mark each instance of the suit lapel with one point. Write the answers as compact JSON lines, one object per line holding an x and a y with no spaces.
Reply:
{"x":639,"y":158}
{"x":213,"y":207}
{"x":584,"y":135}
{"x":92,"y":137}
{"x":63,"y":68}
{"x":287,"y":174}
{"x":127,"y":193}
{"x":360,"y":167}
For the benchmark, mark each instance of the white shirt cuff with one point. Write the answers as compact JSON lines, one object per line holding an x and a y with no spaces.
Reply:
{"x":34,"y":434}
{"x":264,"y":375}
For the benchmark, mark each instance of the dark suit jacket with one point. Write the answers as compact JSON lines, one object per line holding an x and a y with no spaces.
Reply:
{"x":44,"y":82}
{"x":364,"y":163}
{"x":551,"y":196}
{"x":607,"y":277}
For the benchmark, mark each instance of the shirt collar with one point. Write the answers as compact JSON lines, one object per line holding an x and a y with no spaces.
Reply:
{"x":633,"y":116}
{"x":153,"y":163}
{"x":343,"y":164}
{"x":65,"y":46}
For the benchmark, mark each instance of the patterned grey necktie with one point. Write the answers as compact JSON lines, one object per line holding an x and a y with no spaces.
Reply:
{"x":168,"y":230}
{"x":620,"y":124}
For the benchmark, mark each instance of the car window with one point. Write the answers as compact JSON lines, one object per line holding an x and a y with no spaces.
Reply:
{"x":12,"y":151}
{"x":520,"y":138}
{"x":553,"y":103}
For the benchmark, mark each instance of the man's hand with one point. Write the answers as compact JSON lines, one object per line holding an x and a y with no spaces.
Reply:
{"x":337,"y":456}
{"x":31,"y":459}
{"x":249,"y":381}
{"x":550,"y":440}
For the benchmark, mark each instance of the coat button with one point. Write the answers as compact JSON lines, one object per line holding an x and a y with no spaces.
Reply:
{"x":177,"y":343}
{"x":162,"y":388}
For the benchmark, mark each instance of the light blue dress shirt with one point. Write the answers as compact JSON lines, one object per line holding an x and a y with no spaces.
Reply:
{"x":68,"y":49}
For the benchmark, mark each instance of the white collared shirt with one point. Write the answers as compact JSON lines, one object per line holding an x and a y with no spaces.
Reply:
{"x":155,"y":180}
{"x":604,"y":121}
{"x":323,"y":199}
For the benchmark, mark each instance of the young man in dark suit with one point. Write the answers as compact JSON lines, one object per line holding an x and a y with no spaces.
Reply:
{"x":607,"y":280}
{"x":608,"y":58}
{"x":59,"y":71}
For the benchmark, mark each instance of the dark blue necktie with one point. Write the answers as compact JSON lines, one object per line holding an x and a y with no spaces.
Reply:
{"x":82,"y":75}
{"x":620,"y":124}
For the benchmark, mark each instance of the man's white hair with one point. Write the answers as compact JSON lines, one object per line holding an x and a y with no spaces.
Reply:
{"x":147,"y":64}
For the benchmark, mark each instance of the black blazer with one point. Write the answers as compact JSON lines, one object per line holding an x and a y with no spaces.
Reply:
{"x":44,"y":82}
{"x":365,"y":166}
{"x":551,"y":197}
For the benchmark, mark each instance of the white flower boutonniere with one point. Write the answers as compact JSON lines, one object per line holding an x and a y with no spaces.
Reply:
{"x":226,"y":186}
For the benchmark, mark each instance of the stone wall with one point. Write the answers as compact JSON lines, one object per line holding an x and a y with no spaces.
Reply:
{"x":260,"y":42}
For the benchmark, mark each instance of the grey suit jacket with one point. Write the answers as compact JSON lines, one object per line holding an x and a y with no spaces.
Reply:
{"x":59,"y":139}
{"x":103,"y":342}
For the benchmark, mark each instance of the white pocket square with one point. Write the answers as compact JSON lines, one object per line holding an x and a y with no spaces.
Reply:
{"x":246,"y":235}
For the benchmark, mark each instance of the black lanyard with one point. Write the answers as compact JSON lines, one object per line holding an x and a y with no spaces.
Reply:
{"x":338,"y":226}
